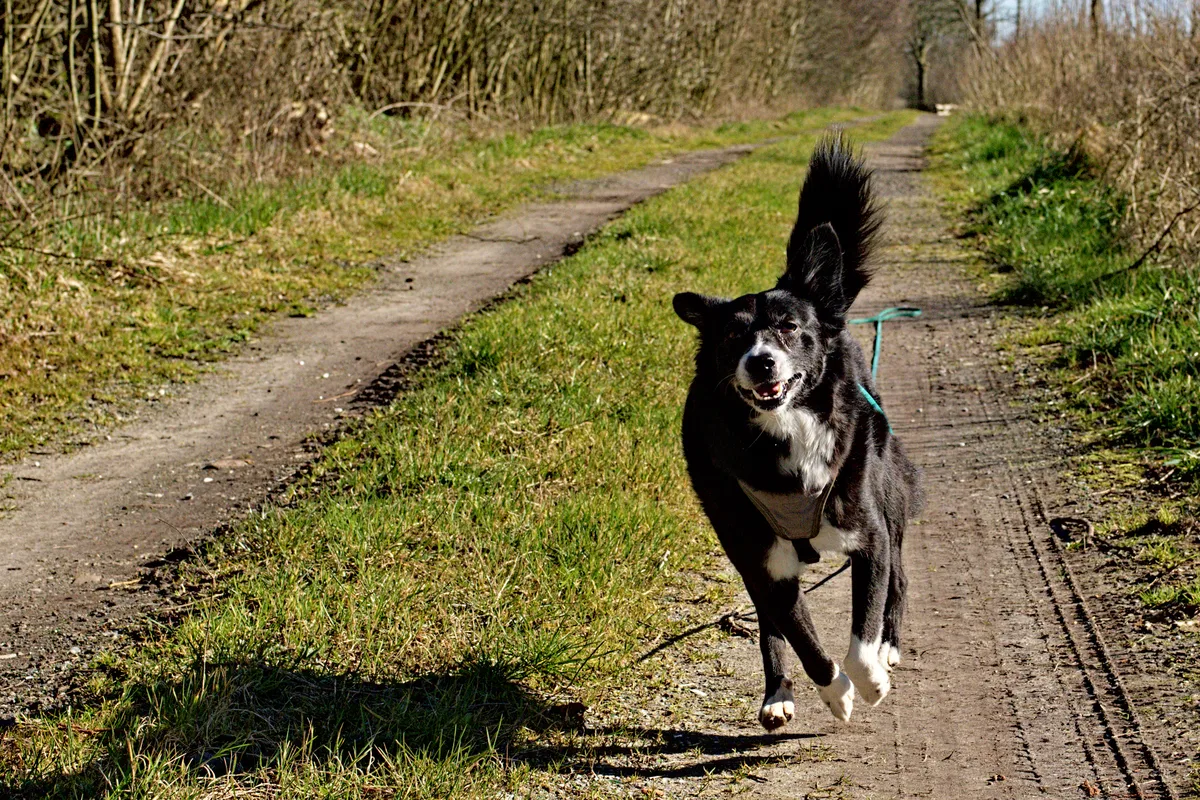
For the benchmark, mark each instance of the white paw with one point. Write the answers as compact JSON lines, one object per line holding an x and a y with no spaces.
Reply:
{"x":888,"y":656}
{"x":869,"y":676}
{"x":778,"y":708}
{"x":839,"y":695}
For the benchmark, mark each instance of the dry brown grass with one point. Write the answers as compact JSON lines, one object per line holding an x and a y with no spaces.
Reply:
{"x":110,"y":107}
{"x":1126,"y":94}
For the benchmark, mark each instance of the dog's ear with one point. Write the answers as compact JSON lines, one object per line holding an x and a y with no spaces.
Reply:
{"x":695,"y":309}
{"x":815,"y":272}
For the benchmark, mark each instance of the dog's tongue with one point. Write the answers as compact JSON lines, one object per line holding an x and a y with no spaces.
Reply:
{"x":768,"y":391}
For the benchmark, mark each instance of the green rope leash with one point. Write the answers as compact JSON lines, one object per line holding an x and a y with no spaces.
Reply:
{"x":883,"y":316}
{"x":895,"y":312}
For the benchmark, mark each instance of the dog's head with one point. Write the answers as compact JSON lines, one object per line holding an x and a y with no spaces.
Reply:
{"x":772,"y":346}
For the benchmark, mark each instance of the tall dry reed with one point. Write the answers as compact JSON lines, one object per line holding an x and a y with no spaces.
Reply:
{"x":1124,"y":88}
{"x":141,"y":98}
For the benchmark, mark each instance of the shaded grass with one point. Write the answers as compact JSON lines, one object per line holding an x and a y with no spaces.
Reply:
{"x":461,"y":568}
{"x":1185,"y":597}
{"x":1130,"y":338}
{"x":128,"y":305}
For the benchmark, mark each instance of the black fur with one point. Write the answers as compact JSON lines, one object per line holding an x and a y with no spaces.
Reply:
{"x":776,"y":410}
{"x":837,"y":191}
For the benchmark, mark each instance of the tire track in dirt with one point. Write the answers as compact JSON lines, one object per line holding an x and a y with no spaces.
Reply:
{"x":83,"y":532}
{"x":1005,"y":690}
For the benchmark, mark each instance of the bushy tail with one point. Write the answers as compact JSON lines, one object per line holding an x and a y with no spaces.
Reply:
{"x":837,"y":191}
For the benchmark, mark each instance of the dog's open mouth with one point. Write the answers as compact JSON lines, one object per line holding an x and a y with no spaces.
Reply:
{"x":769,"y":394}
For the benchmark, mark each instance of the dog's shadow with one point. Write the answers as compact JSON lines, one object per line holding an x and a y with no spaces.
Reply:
{"x":246,"y":719}
{"x":625,"y":752}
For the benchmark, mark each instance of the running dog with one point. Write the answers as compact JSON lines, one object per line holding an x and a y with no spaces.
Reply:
{"x":789,"y":451}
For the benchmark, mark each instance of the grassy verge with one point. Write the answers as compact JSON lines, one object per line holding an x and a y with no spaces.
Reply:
{"x":1124,"y":341}
{"x":1131,"y":335}
{"x":97,"y":313}
{"x":494,"y":548}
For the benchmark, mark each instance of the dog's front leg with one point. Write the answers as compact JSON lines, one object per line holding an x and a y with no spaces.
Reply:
{"x":782,"y":611}
{"x":870,"y":574}
{"x":778,"y":705}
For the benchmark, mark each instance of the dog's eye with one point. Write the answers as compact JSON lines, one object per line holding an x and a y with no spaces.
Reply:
{"x":786,"y":327}
{"x":733,"y":333}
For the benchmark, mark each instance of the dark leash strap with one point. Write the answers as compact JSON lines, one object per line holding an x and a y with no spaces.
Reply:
{"x":829,"y":577}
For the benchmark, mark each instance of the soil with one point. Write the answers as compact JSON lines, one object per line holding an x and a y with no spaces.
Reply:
{"x":1006,"y":688}
{"x":1157,"y":652}
{"x":84,"y":533}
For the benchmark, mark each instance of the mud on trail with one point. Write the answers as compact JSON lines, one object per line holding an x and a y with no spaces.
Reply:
{"x":82,"y":535}
{"x":1006,"y":689}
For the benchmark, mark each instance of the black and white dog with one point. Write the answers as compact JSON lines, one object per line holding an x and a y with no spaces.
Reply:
{"x":790,"y":457}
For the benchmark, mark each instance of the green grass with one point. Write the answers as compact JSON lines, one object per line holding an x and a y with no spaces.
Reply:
{"x":1130,"y":339}
{"x":1184,"y":597}
{"x":1127,"y":341}
{"x":497,"y":543}
{"x":141,"y":298}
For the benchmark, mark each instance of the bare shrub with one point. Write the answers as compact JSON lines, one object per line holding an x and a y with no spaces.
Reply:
{"x":151,"y":96}
{"x":1125,"y":88}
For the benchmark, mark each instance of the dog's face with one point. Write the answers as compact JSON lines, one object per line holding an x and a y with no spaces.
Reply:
{"x":779,"y":349}
{"x":770,"y":346}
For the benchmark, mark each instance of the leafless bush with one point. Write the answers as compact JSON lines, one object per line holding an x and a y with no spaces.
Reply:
{"x":1125,"y":87}
{"x":106,"y":94}
{"x":143,"y":97}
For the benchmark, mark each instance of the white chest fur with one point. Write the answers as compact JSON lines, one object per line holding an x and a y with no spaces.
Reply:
{"x":833,"y":539}
{"x":782,"y":563}
{"x":810,"y":443}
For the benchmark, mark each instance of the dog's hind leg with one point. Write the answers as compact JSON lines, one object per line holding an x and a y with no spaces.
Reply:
{"x":869,"y":578}
{"x":893,"y":614}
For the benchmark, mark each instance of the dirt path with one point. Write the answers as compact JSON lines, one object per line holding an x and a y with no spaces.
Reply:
{"x":81,"y":528}
{"x":1005,"y":689}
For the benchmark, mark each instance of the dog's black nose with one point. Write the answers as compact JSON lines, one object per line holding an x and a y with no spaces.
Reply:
{"x":761,"y":365}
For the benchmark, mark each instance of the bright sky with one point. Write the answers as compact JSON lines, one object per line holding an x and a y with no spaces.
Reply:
{"x":1006,"y":10}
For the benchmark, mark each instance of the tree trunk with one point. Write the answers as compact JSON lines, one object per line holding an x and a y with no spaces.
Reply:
{"x":921,"y":83}
{"x":1094,"y":15}
{"x":6,"y":57}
